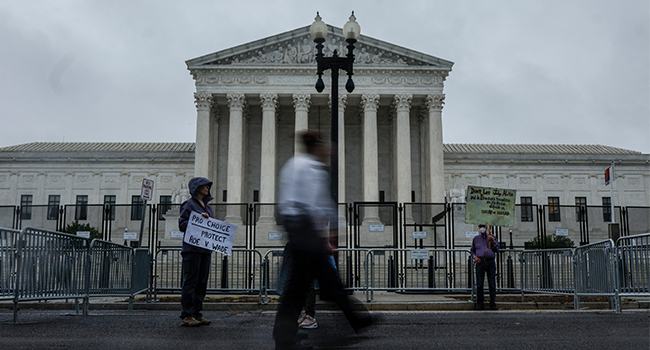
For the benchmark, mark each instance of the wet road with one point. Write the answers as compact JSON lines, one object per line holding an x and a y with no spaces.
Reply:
{"x":395,"y":330}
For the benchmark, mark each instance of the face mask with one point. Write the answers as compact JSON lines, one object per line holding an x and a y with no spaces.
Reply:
{"x":482,"y":230}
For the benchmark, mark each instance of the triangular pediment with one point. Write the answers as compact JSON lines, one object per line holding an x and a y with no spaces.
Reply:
{"x":296,"y":47}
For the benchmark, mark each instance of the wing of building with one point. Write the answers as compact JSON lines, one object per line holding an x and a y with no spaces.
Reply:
{"x":252,"y":98}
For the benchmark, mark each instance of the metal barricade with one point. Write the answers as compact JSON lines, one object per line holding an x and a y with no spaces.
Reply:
{"x":50,"y":265}
{"x":547,"y":271}
{"x":418,"y":270}
{"x":633,"y":270}
{"x":8,"y":245}
{"x":240,"y":272}
{"x":275,"y":275}
{"x":595,"y":270}
{"x":116,"y":270}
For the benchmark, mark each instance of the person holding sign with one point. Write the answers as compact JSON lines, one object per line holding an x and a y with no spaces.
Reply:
{"x":484,"y":248}
{"x":307,"y":208}
{"x":196,"y":260}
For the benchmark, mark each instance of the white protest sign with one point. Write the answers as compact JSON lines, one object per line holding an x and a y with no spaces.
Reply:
{"x":83,"y":234}
{"x":211,"y":234}
{"x":176,"y":234}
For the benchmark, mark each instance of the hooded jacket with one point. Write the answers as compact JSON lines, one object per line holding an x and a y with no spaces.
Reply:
{"x":193,"y":204}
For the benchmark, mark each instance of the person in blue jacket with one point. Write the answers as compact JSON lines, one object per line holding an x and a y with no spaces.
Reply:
{"x":196,"y":261}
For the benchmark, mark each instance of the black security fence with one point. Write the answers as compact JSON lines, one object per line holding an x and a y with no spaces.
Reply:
{"x":361,"y":225}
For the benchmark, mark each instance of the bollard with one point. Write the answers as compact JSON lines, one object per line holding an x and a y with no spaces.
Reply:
{"x":432,"y":268}
{"x":224,"y":272}
{"x":511,"y":273}
{"x":392,"y":274}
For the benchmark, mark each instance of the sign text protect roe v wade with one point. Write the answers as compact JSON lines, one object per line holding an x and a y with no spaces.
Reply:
{"x":210,"y":234}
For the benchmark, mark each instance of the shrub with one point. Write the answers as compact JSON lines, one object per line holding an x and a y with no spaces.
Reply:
{"x":76,"y":226}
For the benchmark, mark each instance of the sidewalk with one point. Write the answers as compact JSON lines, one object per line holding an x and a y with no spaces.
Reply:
{"x":382,"y":301}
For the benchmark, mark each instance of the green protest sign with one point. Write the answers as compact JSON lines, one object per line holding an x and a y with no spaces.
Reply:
{"x":490,"y":206}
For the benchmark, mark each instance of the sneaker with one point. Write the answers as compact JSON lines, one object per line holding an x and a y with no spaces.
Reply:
{"x":190,"y":321}
{"x":302,"y":317}
{"x":202,"y":320}
{"x":308,"y":323}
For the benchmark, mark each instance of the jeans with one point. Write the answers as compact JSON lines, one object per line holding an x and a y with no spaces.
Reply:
{"x":196,"y":268}
{"x":309,"y":260}
{"x":482,"y":268}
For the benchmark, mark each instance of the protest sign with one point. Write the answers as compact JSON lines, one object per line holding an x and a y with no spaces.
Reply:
{"x":208,"y":233}
{"x":490,"y":206}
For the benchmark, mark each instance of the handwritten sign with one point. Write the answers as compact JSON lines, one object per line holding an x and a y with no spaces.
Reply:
{"x":490,"y":206}
{"x":211,"y":234}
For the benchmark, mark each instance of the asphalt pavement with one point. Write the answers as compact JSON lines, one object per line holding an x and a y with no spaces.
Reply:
{"x":160,"y":329}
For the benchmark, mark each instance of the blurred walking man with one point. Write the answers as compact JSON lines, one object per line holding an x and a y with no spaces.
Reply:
{"x":307,"y":208}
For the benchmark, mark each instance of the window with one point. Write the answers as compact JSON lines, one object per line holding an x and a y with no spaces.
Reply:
{"x":164,"y":205}
{"x":581,"y":209}
{"x":53,"y":202}
{"x":256,"y":196}
{"x":526,"y":208}
{"x":109,"y":201}
{"x":81,"y":208}
{"x":382,"y":196}
{"x":607,"y":209}
{"x":136,"y":207}
{"x":554,"y":209}
{"x":26,"y":207}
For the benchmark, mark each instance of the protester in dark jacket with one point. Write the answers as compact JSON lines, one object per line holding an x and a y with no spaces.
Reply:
{"x":196,"y":261}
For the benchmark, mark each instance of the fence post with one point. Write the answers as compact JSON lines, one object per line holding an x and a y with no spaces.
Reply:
{"x":224,"y":272}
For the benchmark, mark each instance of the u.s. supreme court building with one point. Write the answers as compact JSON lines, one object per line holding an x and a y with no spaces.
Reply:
{"x":396,"y":175}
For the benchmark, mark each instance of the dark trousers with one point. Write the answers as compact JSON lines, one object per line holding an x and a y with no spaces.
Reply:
{"x":196,"y":268}
{"x":482,"y":268}
{"x":309,"y":260}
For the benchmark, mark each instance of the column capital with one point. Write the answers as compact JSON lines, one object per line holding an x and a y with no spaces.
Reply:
{"x":301,"y":101}
{"x":202,"y":100}
{"x":370,"y":102}
{"x":343,"y":101}
{"x":402,"y":102}
{"x":435,"y":102}
{"x":236,"y":101}
{"x":269,"y":101}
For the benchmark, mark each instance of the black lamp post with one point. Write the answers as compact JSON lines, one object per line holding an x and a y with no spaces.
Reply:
{"x":351,"y":32}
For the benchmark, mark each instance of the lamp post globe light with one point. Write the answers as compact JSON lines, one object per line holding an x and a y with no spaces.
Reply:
{"x":351,"y":32}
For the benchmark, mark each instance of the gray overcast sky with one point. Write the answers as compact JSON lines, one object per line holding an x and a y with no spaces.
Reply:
{"x":525,"y":72}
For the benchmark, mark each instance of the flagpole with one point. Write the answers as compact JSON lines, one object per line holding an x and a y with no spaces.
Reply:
{"x":611,"y":191}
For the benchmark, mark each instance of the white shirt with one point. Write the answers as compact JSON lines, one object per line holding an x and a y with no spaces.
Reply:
{"x":304,"y":189}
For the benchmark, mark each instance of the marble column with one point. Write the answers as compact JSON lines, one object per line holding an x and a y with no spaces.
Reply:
{"x":301,"y":103}
{"x":269,"y":104}
{"x":436,"y":166}
{"x":202,"y":155}
{"x":370,"y":104}
{"x":236,"y":103}
{"x":402,"y":104}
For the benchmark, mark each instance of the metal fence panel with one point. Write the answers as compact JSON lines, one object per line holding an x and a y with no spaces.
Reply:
{"x":595,"y":270}
{"x":8,"y":245}
{"x":239,"y":272}
{"x":547,"y":271}
{"x":633,"y":271}
{"x":403,"y":270}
